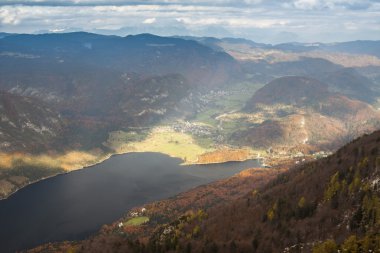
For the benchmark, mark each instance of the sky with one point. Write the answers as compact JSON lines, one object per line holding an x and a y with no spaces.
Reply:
{"x":268,"y":21}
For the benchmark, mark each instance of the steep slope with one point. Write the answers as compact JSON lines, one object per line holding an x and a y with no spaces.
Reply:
{"x":27,"y":126}
{"x":300,"y":112}
{"x":322,"y":206}
{"x":335,"y":200}
{"x":104,"y":83}
{"x":115,"y":238}
{"x":27,"y":123}
{"x":64,"y":94}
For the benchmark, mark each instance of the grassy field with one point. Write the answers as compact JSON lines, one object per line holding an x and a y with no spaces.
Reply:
{"x":67,"y":161}
{"x":161,"y":139}
{"x":20,"y":169}
{"x":137,"y":221}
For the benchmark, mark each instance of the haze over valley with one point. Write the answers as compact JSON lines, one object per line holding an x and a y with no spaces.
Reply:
{"x":188,"y":141}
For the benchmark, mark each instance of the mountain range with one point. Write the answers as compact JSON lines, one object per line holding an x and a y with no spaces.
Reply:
{"x":68,"y":92}
{"x":91,"y":77}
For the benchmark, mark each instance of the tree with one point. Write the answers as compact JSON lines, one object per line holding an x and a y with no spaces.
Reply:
{"x":350,"y":245}
{"x":328,"y":246}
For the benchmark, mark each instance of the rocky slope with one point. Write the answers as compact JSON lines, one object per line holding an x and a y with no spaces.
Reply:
{"x":27,"y":123}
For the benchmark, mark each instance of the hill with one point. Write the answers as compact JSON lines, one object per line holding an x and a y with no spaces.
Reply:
{"x":301,"y":112}
{"x":289,"y":90}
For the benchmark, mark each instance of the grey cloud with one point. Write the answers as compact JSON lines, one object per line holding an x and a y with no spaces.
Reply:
{"x":289,"y":4}
{"x":261,"y":20}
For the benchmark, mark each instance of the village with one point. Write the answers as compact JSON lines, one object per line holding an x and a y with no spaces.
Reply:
{"x":196,"y":129}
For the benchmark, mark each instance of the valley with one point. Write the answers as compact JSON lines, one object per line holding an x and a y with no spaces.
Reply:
{"x":215,"y":106}
{"x":290,"y":212}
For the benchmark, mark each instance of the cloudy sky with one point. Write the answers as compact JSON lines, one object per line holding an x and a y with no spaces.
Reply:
{"x":270,"y":21}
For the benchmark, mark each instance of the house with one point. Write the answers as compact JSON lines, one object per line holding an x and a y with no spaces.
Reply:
{"x":134,"y":214}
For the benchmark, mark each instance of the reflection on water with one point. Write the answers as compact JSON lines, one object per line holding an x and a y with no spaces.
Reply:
{"x":74,"y":205}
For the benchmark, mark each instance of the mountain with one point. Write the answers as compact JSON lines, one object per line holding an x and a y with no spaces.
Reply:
{"x":290,"y":90}
{"x":118,"y":239}
{"x":320,"y":206}
{"x":359,"y":47}
{"x":63,"y":94}
{"x":356,"y":47}
{"x":265,"y":62}
{"x":27,"y":123}
{"x":265,"y":68}
{"x":216,"y":42}
{"x":103,"y":83}
{"x":2,"y":34}
{"x":308,"y":94}
{"x":366,"y":47}
{"x":326,"y":205}
{"x":349,"y":82}
{"x":144,"y":54}
{"x":301,"y":112}
{"x":66,"y":69}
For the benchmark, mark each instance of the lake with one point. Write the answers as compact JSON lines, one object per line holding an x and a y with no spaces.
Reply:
{"x":75,"y":205}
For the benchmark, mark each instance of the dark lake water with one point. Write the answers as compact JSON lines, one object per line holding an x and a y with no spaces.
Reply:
{"x":74,"y":205}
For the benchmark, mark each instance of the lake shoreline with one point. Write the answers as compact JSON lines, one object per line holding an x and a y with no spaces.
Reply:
{"x":107,"y":157}
{"x":110,"y":188}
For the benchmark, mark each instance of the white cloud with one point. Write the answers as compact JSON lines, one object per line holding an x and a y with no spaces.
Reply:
{"x":149,"y":21}
{"x":314,"y":20}
{"x":252,"y":1}
{"x":9,"y":16}
{"x":306,"y":4}
{"x":330,"y":4}
{"x":57,"y":30}
{"x":234,"y":22}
